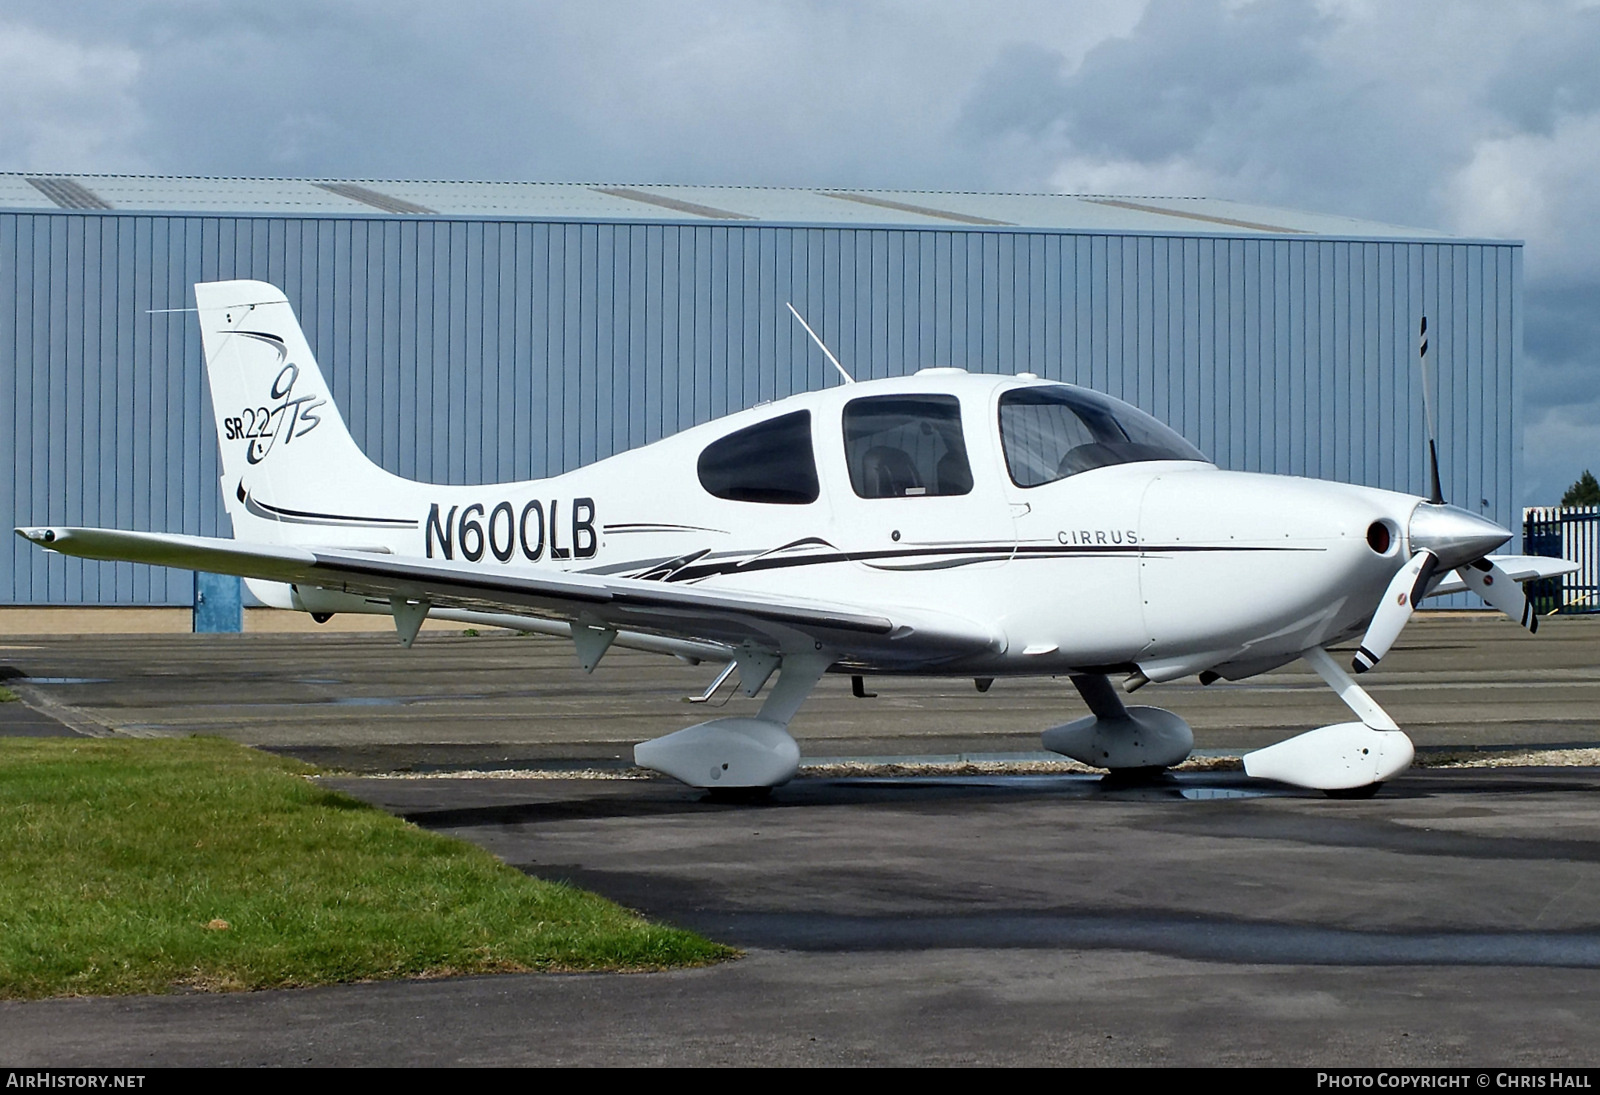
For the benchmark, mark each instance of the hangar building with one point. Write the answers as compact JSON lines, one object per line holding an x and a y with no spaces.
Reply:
{"x":494,"y":331}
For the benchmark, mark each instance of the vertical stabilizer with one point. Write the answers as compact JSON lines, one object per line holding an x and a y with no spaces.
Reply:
{"x":291,"y":472}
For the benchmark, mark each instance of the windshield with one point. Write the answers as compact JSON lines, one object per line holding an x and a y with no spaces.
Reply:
{"x":1052,"y":431}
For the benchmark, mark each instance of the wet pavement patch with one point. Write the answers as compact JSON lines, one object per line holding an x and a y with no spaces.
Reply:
{"x":64,"y":680}
{"x":1205,"y":939}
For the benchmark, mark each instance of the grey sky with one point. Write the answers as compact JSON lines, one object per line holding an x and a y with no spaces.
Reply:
{"x":1475,"y":116}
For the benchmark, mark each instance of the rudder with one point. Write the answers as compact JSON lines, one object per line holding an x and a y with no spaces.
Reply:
{"x":291,"y":472}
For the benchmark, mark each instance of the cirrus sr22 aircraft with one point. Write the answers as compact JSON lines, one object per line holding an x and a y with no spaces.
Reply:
{"x":942,"y":524}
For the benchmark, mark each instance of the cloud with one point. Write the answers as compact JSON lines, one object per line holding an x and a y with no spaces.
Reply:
{"x":805,"y":92}
{"x":1187,"y":74}
{"x":1560,"y":444}
{"x":1283,"y":103}
{"x":1544,"y":77}
{"x":1538,"y":186}
{"x":65,"y":103}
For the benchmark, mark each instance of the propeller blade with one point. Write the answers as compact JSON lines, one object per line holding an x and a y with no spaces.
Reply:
{"x":1499,"y":590}
{"x":1436,"y":492}
{"x":1399,"y":601}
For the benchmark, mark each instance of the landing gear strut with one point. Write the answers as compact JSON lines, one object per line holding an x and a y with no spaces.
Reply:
{"x":741,"y":756}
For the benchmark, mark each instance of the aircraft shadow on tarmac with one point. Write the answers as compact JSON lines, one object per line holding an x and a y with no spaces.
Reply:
{"x":700,"y":906}
{"x":659,"y":798}
{"x":656,"y":798}
{"x":842,"y":908}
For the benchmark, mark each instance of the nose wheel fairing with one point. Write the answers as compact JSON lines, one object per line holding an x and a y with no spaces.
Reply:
{"x":1339,"y":759}
{"x":1343,"y":757}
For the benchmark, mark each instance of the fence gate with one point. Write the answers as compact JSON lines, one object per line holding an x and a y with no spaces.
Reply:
{"x":1565,"y":532}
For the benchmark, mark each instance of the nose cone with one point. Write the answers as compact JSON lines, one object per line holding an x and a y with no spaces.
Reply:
{"x":1454,"y":535}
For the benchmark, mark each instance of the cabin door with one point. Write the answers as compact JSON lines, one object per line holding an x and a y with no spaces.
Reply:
{"x":916,"y":489}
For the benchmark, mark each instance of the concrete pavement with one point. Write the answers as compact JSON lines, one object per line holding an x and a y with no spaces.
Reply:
{"x":1452,"y":920}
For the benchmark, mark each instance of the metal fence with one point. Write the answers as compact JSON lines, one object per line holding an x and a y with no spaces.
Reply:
{"x":1565,"y":532}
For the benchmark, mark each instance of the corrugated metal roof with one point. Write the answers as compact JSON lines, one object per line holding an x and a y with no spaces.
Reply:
{"x":680,"y":204}
{"x":69,"y":194}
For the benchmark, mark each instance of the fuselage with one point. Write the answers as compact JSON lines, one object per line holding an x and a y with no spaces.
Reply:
{"x":1083,"y":534}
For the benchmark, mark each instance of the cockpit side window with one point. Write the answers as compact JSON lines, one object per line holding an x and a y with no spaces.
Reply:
{"x":1052,"y":431}
{"x":906,"y":446}
{"x":769,"y":462}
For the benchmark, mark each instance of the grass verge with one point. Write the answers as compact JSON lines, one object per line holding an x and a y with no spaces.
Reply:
{"x":148,"y":866}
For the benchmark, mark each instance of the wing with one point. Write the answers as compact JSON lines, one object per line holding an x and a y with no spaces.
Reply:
{"x":897,"y":637}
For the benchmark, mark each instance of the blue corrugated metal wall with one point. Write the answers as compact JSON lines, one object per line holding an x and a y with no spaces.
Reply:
{"x":474,"y":350}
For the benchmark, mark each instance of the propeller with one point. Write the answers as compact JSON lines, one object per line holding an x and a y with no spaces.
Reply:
{"x":1399,"y":602}
{"x":1500,"y":591}
{"x":1443,"y":538}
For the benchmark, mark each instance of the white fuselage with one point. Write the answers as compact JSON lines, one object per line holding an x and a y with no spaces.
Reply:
{"x":1173,"y":566}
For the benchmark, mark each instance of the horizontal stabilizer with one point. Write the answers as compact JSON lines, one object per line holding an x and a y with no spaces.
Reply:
{"x":1520,"y":568}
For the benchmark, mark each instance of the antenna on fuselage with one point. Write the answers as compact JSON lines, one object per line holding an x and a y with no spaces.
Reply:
{"x":848,"y":379}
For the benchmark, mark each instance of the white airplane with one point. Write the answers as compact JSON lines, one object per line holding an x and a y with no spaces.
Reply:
{"x":942,"y":524}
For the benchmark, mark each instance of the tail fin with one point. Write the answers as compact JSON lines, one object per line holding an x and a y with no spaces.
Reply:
{"x":291,"y":472}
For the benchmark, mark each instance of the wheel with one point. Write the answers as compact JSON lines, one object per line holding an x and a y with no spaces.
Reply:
{"x":1366,"y":791}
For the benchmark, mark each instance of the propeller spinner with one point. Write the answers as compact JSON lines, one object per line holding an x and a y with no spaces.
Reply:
{"x":1442,"y":538}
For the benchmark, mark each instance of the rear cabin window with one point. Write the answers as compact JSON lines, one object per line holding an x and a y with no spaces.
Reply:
{"x":769,"y":462}
{"x":906,"y":446}
{"x":1050,"y":432}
